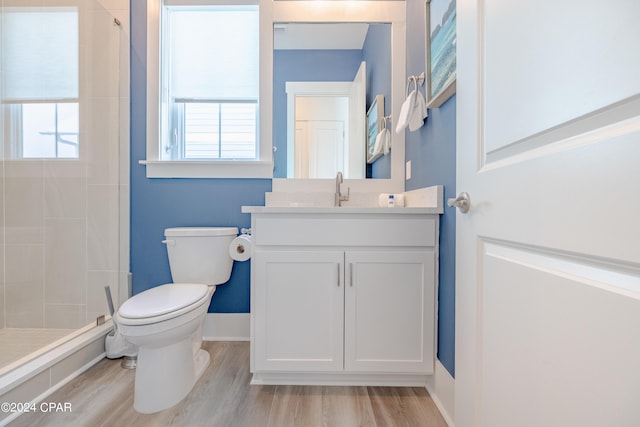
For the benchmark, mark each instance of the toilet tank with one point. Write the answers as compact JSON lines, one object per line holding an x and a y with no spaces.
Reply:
{"x":200,"y":254}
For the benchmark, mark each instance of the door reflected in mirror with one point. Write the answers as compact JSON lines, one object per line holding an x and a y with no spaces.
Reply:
{"x":325,"y":78}
{"x":320,"y":138}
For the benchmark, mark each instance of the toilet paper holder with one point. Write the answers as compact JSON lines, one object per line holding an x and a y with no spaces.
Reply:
{"x":240,"y":248}
{"x":245,"y":231}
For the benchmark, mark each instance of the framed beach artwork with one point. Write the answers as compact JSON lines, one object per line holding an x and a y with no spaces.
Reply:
{"x":375,"y":116}
{"x":441,"y":51}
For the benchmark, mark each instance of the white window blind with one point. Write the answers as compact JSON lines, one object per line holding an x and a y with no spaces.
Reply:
{"x":40,"y":53}
{"x":40,"y":64}
{"x":214,"y":52}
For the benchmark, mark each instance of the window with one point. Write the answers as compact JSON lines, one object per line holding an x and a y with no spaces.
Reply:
{"x":222,"y":130}
{"x":204,"y":103}
{"x":40,"y":94}
{"x":44,"y":130}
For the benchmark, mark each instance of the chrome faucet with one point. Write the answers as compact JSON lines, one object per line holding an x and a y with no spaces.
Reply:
{"x":339,"y":197}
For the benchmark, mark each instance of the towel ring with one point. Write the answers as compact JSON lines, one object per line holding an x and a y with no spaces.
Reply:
{"x":416,"y":80}
{"x":383,"y":122}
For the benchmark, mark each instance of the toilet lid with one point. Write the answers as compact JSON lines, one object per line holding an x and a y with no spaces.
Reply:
{"x":162,"y":299}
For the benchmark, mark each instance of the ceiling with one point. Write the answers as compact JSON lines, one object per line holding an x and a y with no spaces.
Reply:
{"x":319,"y":35}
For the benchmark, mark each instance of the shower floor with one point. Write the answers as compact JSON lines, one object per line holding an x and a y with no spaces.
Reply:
{"x":16,"y":343}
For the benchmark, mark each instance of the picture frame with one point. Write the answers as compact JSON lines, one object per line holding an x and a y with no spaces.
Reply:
{"x":440,"y":20}
{"x":375,"y":116}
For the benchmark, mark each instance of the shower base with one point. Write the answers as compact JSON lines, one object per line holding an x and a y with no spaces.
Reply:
{"x":18,"y":343}
{"x":32,"y":378}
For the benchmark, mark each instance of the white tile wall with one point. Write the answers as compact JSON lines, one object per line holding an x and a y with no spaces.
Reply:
{"x":65,"y":192}
{"x":2,"y":288}
{"x":102,"y":227}
{"x":65,"y":261}
{"x":103,"y":150}
{"x":24,"y":286}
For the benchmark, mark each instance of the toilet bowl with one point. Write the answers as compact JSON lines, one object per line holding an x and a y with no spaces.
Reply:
{"x":165,"y":322}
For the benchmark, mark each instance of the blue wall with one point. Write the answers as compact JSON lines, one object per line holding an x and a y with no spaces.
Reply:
{"x":160,"y":203}
{"x":304,"y":65}
{"x":432,"y":151}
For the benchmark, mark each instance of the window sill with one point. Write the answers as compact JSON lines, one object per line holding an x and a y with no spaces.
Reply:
{"x":208,"y":169}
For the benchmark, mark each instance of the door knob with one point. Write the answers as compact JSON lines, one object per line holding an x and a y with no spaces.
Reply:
{"x":462,"y":202}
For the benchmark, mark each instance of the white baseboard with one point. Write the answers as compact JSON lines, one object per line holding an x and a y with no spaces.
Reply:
{"x":441,"y":388}
{"x":338,"y":379}
{"x":226,"y":327}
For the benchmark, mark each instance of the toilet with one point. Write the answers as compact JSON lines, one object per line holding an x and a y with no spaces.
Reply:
{"x":165,"y":322}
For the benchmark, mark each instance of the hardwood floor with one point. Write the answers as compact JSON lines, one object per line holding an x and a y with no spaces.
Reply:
{"x":103,"y":396}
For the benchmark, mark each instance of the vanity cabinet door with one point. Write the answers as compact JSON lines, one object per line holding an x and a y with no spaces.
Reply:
{"x":299,"y":304}
{"x":389,"y":311}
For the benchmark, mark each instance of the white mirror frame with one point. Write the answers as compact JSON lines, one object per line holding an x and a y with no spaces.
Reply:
{"x":393,"y":12}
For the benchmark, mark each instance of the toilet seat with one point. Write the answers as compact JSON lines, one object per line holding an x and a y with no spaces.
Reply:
{"x":162,"y":303}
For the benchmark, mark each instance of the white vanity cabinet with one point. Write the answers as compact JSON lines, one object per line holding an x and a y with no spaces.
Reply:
{"x":298,"y":310}
{"x":343,"y":296}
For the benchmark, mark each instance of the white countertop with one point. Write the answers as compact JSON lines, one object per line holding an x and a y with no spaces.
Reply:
{"x":340,"y":210}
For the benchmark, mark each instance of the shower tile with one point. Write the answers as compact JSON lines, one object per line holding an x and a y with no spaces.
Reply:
{"x":112,"y":5}
{"x":64,"y":316}
{"x":102,"y":142}
{"x":63,"y":168}
{"x":23,"y":168}
{"x":96,"y":297}
{"x":124,"y":142}
{"x":31,"y":3}
{"x":125,"y":76}
{"x":65,"y":261}
{"x":24,"y":196}
{"x":65,"y":193}
{"x":2,"y":306}
{"x":101,"y":47}
{"x":2,"y":203}
{"x":24,"y":286}
{"x":102,"y":227}
{"x":125,"y":209}
{"x":2,"y":286}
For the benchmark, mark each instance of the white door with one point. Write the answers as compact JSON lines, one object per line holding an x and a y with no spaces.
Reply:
{"x":355,"y":162}
{"x":548,"y":261}
{"x":389,"y":311}
{"x":301,"y":150}
{"x":299,"y":309}
{"x":326,"y":148}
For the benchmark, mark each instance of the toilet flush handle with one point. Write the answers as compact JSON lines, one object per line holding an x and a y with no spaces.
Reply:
{"x":169,"y":242}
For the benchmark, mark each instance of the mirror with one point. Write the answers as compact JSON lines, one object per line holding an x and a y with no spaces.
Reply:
{"x":326,"y":76}
{"x":388,"y":80}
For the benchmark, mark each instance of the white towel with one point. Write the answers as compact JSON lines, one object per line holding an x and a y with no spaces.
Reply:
{"x":386,"y":141}
{"x":417,"y":113}
{"x":383,"y":143}
{"x":413,"y":112}
{"x":405,"y":110}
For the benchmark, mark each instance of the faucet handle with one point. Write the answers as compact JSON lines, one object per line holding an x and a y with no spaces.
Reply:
{"x":345,"y":198}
